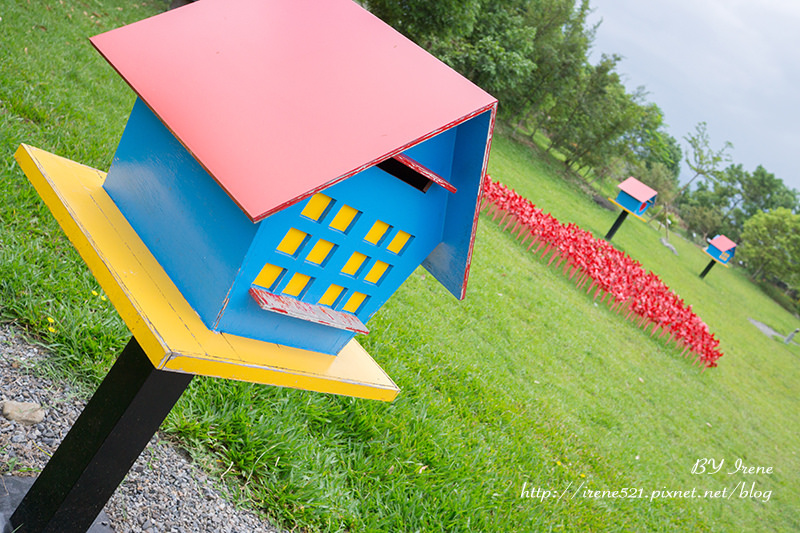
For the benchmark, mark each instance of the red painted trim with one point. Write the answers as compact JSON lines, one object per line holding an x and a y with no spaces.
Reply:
{"x":478,"y":200}
{"x":425,"y":171}
{"x":305,"y":311}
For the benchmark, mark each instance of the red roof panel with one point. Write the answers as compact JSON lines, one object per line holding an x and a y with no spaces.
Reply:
{"x":722,"y":243}
{"x":637,"y":189}
{"x":280,"y":99}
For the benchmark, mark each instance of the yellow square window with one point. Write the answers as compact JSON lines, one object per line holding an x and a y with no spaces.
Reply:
{"x":344,"y":218}
{"x":316,"y":207}
{"x":320,"y":252}
{"x":354,"y":264}
{"x":399,"y":242}
{"x":296,"y":285}
{"x":331,"y":295}
{"x":377,"y":271}
{"x":269,"y":276}
{"x":377,"y":232}
{"x":355,"y":302}
{"x":292,"y":242}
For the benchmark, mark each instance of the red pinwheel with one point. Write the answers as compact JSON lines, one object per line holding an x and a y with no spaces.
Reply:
{"x":614,"y":277}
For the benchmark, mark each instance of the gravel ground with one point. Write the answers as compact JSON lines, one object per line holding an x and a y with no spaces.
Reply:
{"x":162,"y":493}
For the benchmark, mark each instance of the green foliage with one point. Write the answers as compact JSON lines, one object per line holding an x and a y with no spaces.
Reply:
{"x":532,"y":56}
{"x":757,"y":192}
{"x":425,"y":21}
{"x":703,"y":160}
{"x":771,"y":245}
{"x":592,"y":120}
{"x":648,"y":143}
{"x":735,"y":196}
{"x":497,"y":55}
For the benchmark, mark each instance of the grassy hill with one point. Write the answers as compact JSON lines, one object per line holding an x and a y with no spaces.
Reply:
{"x":527,"y":385}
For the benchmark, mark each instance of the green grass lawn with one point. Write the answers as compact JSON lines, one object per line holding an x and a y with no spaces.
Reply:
{"x":526,"y":383}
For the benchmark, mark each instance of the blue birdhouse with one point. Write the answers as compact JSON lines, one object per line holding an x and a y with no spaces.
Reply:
{"x":721,"y":249}
{"x":635,"y":197}
{"x":289,"y":168}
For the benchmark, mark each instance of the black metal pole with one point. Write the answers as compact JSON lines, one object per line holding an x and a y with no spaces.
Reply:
{"x":102,"y":445}
{"x":710,"y":265}
{"x":617,"y":223}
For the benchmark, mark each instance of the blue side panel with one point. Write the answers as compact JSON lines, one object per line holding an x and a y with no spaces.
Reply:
{"x":449,"y":261}
{"x":632,"y":204}
{"x":187,"y":221}
{"x":378,"y":196}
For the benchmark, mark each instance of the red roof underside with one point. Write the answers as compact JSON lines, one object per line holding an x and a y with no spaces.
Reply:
{"x":279,"y":99}
{"x":722,"y":243}
{"x":637,"y":189}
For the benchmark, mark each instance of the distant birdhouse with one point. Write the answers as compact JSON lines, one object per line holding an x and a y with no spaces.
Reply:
{"x":721,"y":249}
{"x":290,"y":165}
{"x":635,"y":197}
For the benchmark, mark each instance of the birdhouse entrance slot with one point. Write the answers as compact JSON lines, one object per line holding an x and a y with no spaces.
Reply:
{"x":406,"y":174}
{"x":413,"y":173}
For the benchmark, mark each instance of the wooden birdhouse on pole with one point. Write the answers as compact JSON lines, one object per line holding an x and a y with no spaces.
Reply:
{"x":721,"y":249}
{"x":634,"y":197}
{"x":286,"y":166}
{"x":290,"y":165}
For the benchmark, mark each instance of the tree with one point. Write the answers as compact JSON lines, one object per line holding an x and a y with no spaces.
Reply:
{"x":770,"y":246}
{"x":702,"y":160}
{"x":651,"y":144}
{"x":423,"y":21}
{"x":762,"y":191}
{"x":740,"y":194}
{"x":497,"y":55}
{"x":702,"y":220}
{"x":589,"y":125}
{"x":561,"y":49}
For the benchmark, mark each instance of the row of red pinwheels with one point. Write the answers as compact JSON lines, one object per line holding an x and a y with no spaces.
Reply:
{"x":597,"y":266}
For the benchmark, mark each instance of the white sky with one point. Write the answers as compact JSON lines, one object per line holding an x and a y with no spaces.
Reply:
{"x":734,"y":64}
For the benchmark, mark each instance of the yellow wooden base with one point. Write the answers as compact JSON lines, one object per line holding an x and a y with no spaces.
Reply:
{"x":166,"y":326}
{"x":626,"y":209}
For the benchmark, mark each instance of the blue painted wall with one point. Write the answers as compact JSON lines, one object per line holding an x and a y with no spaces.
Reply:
{"x":632,"y":204}
{"x":448,"y":262}
{"x":213,"y":252}
{"x":187,"y":221}
{"x":379,"y":196}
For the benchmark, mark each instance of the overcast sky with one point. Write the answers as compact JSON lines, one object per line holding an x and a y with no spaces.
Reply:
{"x":734,"y":64}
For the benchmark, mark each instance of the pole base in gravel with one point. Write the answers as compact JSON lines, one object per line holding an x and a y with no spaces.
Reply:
{"x":94,"y":457}
{"x":13,"y":489}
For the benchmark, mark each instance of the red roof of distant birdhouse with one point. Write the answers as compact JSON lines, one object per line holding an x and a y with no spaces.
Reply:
{"x":637,"y":189}
{"x":280,"y":99}
{"x":722,"y":243}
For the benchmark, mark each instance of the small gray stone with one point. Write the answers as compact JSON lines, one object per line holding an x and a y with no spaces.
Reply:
{"x":25,"y":412}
